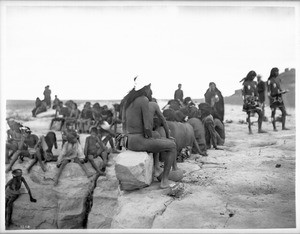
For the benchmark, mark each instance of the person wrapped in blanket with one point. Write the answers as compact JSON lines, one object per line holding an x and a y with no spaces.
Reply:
{"x":275,"y":95}
{"x":251,"y":103}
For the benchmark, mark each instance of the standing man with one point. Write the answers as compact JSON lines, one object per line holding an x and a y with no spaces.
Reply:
{"x":137,"y":125}
{"x":47,"y":96}
{"x":178,"y":95}
{"x":261,"y":88}
{"x":250,"y":97}
{"x":275,"y":96}
{"x":214,"y":98}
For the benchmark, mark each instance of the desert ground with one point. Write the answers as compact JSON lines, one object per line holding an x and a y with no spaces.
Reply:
{"x":250,"y":184}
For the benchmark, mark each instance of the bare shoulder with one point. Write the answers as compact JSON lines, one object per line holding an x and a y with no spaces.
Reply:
{"x":142,"y":99}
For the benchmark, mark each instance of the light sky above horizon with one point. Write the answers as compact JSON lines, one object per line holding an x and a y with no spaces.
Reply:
{"x":93,"y":51}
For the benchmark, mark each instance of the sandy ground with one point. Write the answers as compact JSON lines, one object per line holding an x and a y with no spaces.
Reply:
{"x":248,"y":185}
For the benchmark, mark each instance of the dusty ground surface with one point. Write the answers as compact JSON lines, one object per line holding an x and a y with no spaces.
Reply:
{"x":248,"y":185}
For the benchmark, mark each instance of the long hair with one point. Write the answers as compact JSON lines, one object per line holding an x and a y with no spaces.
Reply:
{"x":132,"y":95}
{"x":272,"y":73}
{"x":251,"y":74}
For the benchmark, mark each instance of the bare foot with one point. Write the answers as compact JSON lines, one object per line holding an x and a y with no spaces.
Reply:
{"x":166,"y":184}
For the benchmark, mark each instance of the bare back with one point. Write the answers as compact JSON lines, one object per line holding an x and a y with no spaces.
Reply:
{"x":138,"y":116}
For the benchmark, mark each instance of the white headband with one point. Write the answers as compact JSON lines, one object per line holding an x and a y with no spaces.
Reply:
{"x":140,"y":82}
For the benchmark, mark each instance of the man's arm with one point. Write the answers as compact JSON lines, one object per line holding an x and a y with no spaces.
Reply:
{"x":28,"y":189}
{"x":123,"y":118}
{"x":8,"y":183}
{"x":86,"y":146}
{"x":144,"y":103}
{"x":162,"y":118}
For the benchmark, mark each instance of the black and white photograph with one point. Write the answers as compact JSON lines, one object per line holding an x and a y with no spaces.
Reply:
{"x":149,"y":116}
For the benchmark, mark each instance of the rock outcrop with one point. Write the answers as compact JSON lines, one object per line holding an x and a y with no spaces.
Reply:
{"x":105,"y":201}
{"x":134,"y":170}
{"x":62,"y":206}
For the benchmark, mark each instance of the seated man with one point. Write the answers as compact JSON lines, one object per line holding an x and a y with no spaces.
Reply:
{"x":12,"y":192}
{"x":14,"y":135}
{"x":85,"y":118}
{"x":27,"y":147}
{"x":61,"y":113}
{"x":74,"y":115}
{"x":93,"y":148}
{"x":137,"y":125}
{"x":70,"y":128}
{"x":41,"y":108}
{"x":38,"y":103}
{"x":71,"y":151}
{"x":44,"y":150}
{"x":104,"y":130}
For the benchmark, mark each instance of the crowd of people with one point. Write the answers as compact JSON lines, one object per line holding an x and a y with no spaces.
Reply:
{"x":140,"y":117}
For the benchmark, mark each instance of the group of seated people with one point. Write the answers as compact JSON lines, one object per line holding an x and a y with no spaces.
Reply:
{"x":90,"y":116}
{"x":98,"y":121}
{"x":210,"y":118}
{"x":21,"y":142}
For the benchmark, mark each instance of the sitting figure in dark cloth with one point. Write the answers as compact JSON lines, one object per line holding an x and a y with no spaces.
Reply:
{"x":251,"y":103}
{"x":214,"y":98}
{"x":211,"y":135}
{"x":94,"y":148}
{"x":38,"y":103}
{"x":12,"y":192}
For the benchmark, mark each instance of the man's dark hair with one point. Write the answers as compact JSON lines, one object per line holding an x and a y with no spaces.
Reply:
{"x":94,"y":129}
{"x":132,"y":95}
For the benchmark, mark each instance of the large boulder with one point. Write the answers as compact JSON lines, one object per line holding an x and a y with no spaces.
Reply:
{"x":134,"y":170}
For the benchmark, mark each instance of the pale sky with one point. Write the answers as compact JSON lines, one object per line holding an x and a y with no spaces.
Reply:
{"x":93,"y":50}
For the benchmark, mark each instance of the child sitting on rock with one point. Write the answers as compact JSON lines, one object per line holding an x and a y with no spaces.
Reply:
{"x":71,"y":151}
{"x":93,"y":148}
{"x":12,"y":192}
